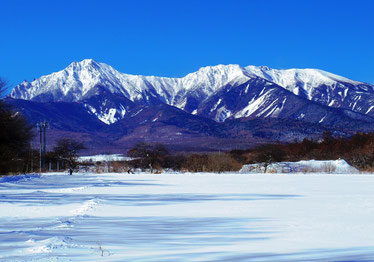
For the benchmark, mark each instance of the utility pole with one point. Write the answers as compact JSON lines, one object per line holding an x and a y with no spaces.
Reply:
{"x":32,"y":158}
{"x":40,"y":147}
{"x":45,"y":142}
{"x":42,"y":126}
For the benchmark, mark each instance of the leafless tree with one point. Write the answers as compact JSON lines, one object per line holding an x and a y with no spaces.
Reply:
{"x":67,"y":149}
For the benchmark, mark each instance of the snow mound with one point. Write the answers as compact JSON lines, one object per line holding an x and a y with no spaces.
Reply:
{"x":96,"y":158}
{"x":48,"y":245}
{"x":86,"y":208}
{"x":339,"y":166}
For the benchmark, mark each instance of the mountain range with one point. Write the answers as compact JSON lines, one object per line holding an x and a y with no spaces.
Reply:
{"x":215,"y":108}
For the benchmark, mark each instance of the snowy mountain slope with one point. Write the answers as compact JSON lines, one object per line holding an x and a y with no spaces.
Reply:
{"x":81,"y":79}
{"x":198,"y":86}
{"x":258,"y":98}
{"x":106,"y":106}
{"x":107,"y":93}
{"x":59,"y":115}
{"x":322,"y":87}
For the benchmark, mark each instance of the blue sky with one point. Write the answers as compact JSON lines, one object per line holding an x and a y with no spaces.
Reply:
{"x":174,"y":38}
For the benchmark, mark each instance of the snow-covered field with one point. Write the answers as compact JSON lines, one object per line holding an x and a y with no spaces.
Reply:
{"x":187,"y":217}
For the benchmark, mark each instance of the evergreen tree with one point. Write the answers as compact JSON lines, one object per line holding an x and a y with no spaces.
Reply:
{"x":15,"y":137}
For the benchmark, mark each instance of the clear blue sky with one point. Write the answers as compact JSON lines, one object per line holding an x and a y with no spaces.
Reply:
{"x":174,"y":38}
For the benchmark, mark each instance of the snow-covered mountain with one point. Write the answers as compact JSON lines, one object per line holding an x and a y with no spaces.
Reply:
{"x":322,"y":87}
{"x":218,"y":92}
{"x":80,"y":79}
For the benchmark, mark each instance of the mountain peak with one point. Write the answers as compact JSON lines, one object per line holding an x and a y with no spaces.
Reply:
{"x":87,"y":78}
{"x":85,"y":63}
{"x":88,"y":61}
{"x":220,"y":68}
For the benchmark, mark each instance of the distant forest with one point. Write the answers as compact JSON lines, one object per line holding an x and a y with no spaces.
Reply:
{"x":358,"y":151}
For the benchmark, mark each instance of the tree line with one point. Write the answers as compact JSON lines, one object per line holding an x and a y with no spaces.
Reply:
{"x":155,"y":157}
{"x":357,"y":150}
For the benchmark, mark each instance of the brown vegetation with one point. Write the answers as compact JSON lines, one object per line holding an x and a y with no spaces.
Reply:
{"x":357,"y":150}
{"x":221,"y":162}
{"x":157,"y":157}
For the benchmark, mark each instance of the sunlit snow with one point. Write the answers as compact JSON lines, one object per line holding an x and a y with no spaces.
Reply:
{"x":187,"y":217}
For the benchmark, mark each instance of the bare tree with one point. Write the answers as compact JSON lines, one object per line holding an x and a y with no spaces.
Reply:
{"x":67,"y":149}
{"x":150,"y":156}
{"x":267,"y":155}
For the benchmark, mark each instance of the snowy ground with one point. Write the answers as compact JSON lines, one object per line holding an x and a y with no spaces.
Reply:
{"x":339,"y":166}
{"x":187,"y":217}
{"x":96,"y":158}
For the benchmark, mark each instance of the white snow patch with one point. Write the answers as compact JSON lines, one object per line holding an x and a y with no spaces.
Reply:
{"x":122,"y":111}
{"x":96,"y":158}
{"x":322,"y":119}
{"x":222,"y":114}
{"x":216,"y":105}
{"x":65,"y":190}
{"x":357,"y":98}
{"x":47,"y":245}
{"x":301,"y":116}
{"x":252,"y":107}
{"x":246,"y":89}
{"x":86,"y":208}
{"x":136,"y":113}
{"x":369,"y":110}
{"x":108,"y":118}
{"x":325,"y":166}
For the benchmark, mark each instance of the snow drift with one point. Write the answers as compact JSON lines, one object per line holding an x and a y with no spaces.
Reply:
{"x":339,"y":166}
